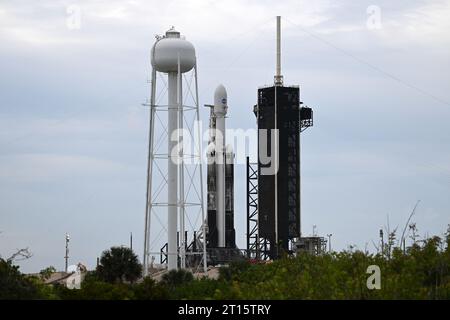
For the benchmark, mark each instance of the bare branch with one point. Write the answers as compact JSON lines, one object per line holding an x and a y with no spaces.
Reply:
{"x":407,"y":222}
{"x":21,"y":254}
{"x":376,"y":247}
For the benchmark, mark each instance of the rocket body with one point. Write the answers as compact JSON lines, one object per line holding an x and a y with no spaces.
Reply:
{"x":220,"y":110}
{"x":220,"y":176}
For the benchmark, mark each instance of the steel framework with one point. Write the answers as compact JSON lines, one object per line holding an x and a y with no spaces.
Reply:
{"x":190,"y":204}
{"x":256,"y":248}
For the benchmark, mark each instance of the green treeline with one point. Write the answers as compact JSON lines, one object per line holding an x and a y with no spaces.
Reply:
{"x":422,"y":271}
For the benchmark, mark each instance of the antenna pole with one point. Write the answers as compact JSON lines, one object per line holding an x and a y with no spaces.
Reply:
{"x":66,"y":258}
{"x":278,"y":77}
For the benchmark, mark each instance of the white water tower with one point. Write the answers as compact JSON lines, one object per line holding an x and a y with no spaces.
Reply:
{"x":174,"y":171}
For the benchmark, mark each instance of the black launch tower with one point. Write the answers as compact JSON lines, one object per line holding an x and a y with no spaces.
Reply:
{"x":280,"y":118}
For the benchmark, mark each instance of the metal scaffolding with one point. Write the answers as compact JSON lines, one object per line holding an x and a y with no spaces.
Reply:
{"x":256,"y":248}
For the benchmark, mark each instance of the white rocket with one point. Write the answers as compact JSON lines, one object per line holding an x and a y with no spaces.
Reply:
{"x":220,"y":110}
{"x":219,"y":155}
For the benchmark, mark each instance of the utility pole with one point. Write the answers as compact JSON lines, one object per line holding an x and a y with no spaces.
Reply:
{"x":66,"y":258}
{"x":329,"y":241}
{"x":131,"y":241}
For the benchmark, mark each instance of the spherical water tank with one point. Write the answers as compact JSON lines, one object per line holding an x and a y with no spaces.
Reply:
{"x":166,"y":51}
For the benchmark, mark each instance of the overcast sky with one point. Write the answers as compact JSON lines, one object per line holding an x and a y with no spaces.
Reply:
{"x":73,"y":132}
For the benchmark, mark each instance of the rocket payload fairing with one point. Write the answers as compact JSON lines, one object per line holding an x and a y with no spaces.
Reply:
{"x":221,"y":233}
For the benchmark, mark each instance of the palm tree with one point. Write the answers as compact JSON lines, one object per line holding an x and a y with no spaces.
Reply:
{"x":119,"y":264}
